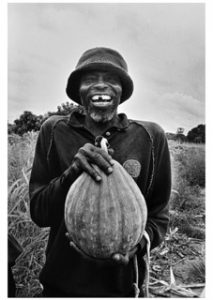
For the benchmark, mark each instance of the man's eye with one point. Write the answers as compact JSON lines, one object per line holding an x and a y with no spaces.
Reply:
{"x":89,"y":80}
{"x":112,"y":80}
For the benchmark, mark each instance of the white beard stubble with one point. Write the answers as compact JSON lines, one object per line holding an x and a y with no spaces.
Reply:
{"x":101,"y":116}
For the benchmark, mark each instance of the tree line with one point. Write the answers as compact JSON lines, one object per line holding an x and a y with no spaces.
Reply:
{"x":195,"y":135}
{"x":31,"y":122}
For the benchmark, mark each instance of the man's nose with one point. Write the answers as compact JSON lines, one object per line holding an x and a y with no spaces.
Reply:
{"x":100,"y":83}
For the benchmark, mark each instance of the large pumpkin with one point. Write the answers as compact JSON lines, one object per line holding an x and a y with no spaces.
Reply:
{"x":105,"y":217}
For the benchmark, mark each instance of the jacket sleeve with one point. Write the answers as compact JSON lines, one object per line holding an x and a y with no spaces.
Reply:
{"x":159,"y":193}
{"x":47,"y":194}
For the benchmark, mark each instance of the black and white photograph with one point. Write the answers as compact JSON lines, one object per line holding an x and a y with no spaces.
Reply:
{"x":106,"y":148}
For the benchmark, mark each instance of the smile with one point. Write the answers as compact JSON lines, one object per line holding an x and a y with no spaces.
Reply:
{"x":101,"y":100}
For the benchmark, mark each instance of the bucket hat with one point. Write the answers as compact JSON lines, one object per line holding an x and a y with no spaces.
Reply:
{"x":100,"y":59}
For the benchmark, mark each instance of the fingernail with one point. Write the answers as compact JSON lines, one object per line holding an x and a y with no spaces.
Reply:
{"x":116,"y":257}
{"x":98,"y":178}
{"x":110,"y":170}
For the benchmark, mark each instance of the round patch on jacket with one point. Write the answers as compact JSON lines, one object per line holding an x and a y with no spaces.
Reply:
{"x":133,"y":167}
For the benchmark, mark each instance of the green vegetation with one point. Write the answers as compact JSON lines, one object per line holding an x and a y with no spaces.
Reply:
{"x":32,"y":238}
{"x":195,"y":135}
{"x":187,"y":205}
{"x":187,"y":215}
{"x":31,"y":122}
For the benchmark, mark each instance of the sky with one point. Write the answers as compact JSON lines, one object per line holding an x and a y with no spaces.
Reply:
{"x":163,"y":45}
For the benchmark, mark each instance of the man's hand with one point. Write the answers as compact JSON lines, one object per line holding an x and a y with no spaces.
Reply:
{"x":124,"y":259}
{"x":116,"y":258}
{"x":90,"y":154}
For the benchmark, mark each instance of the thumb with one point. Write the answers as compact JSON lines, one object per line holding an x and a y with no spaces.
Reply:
{"x":120,"y":258}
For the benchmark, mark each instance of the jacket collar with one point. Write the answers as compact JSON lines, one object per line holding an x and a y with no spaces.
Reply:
{"x":77,"y":119}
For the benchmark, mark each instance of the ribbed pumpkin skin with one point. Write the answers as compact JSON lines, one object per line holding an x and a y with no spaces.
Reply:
{"x":107,"y":217}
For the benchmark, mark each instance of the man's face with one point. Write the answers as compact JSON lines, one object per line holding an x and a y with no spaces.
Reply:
{"x":100,"y":94}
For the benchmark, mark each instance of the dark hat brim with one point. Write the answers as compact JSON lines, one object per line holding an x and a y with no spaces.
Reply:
{"x":74,"y":79}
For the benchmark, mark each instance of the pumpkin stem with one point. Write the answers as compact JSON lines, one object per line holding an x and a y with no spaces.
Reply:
{"x":102,"y":142}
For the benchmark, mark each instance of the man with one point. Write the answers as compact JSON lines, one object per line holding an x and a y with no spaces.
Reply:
{"x":66,"y":147}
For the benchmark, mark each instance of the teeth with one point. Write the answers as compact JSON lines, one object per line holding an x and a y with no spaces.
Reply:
{"x":101,"y":98}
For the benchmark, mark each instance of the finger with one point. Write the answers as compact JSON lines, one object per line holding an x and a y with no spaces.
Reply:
{"x":89,"y":148}
{"x":68,"y":236}
{"x":97,"y":159}
{"x":92,"y":171}
{"x":121,"y":259}
{"x":95,"y":154}
{"x":91,"y":154}
{"x":106,"y":156}
{"x":85,"y":166}
{"x":75,"y":166}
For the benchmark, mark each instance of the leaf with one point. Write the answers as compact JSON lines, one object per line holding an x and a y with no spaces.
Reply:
{"x":203,"y":293}
{"x":164,"y":251}
{"x":157,"y":268}
{"x":172,"y":277}
{"x":25,"y":176}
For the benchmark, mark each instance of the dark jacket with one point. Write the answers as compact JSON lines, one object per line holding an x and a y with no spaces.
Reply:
{"x":60,"y":138}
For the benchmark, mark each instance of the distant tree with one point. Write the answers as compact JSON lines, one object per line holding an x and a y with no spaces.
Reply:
{"x":170,"y":136}
{"x":10,"y":128}
{"x":63,"y":110}
{"x":26,"y":122}
{"x":30,"y":122}
{"x":197,"y":134}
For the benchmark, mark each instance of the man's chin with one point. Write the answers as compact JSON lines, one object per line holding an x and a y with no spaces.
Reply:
{"x":101,"y":118}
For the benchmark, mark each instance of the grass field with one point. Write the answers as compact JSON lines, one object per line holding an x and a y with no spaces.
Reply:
{"x":182,"y":252}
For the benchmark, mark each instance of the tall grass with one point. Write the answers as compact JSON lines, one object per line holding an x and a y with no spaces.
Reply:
{"x":187,"y":201}
{"x":188,"y":172}
{"x":198,"y":270}
{"x":31,"y":238}
{"x":191,"y":164}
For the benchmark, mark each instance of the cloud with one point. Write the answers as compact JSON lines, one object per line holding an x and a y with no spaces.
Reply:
{"x":177,"y":102}
{"x":163,"y":45}
{"x":179,"y":110}
{"x":170,"y":110}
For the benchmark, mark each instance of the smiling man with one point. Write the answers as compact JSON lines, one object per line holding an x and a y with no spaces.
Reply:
{"x":100,"y":93}
{"x":67,"y":146}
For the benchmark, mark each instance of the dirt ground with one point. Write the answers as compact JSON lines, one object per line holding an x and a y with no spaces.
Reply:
{"x":178,"y":272}
{"x":177,"y":267}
